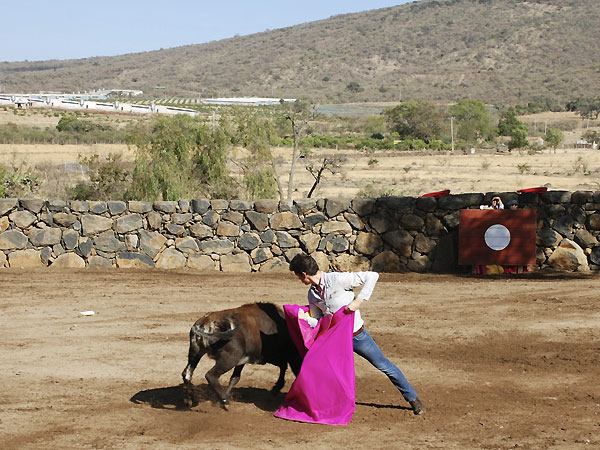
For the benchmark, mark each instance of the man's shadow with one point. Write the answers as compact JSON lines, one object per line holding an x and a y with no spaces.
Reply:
{"x":183,"y":398}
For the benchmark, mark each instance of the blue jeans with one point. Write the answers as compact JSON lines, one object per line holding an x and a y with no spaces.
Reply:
{"x":365,"y":346}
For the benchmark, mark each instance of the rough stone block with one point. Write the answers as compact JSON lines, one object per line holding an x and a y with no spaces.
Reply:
{"x":200,"y":262}
{"x":368,"y":243}
{"x":116,"y":207}
{"x":95,"y":224}
{"x":7,"y":205}
{"x":22,"y":219}
{"x":259,"y":221}
{"x":285,"y":221}
{"x":128,"y":223}
{"x":168,"y":207}
{"x":68,"y":261}
{"x":99,"y":261}
{"x":239,"y":262}
{"x":170,"y":258}
{"x":25,"y":259}
{"x":47,"y":236}
{"x":139,"y":207}
{"x":333,"y":207}
{"x":200,"y":205}
{"x":266,"y":206}
{"x":98,"y":207}
{"x":34,"y":205}
{"x":107,"y":242}
{"x":133,"y":260}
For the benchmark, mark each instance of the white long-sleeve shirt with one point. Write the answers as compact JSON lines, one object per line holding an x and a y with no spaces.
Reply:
{"x":335,"y":290}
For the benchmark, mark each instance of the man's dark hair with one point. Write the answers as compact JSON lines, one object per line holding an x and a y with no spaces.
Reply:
{"x":304,"y":263}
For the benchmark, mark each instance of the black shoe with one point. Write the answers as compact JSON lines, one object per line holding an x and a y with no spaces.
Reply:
{"x":417,"y":407}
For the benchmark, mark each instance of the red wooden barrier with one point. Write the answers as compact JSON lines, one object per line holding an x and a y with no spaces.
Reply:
{"x":497,"y":236}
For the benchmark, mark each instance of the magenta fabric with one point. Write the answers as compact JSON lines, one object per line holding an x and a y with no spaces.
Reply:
{"x":324,"y":390}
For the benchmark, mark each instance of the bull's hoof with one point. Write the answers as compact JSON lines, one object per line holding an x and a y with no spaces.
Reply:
{"x":275,"y":391}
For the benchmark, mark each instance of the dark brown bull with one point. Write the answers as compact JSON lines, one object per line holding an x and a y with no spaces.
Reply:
{"x":251,"y":334}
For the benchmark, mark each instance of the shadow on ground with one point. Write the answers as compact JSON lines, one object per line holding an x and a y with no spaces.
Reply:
{"x":177,"y":397}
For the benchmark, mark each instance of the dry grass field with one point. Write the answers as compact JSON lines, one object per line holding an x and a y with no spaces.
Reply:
{"x":367,"y":173}
{"x":374,"y":173}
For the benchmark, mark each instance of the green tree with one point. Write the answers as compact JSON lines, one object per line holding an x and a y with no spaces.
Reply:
{"x":353,"y":86}
{"x":374,"y":126}
{"x":588,"y":107}
{"x":554,"y":137}
{"x":254,"y":129}
{"x":511,"y":126}
{"x":415,"y":119}
{"x":181,"y":157}
{"x":519,"y":138}
{"x":66,"y":123}
{"x":473,"y":120}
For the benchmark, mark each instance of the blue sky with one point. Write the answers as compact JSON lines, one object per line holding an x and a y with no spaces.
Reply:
{"x":37,"y":30}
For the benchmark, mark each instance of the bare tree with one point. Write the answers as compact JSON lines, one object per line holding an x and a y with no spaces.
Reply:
{"x":298,"y":114}
{"x":331,"y":164}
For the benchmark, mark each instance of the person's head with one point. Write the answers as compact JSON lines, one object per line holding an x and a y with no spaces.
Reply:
{"x":304,"y":265}
{"x":496,"y":201}
{"x":512,"y":204}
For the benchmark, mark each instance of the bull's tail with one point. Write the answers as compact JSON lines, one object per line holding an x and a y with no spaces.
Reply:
{"x":209,"y":333}
{"x":203,"y":335}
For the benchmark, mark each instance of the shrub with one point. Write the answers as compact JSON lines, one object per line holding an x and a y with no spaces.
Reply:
{"x":109,"y":179}
{"x":523,"y":168}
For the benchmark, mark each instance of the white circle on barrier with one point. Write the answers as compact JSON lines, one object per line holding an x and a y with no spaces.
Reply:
{"x":497,"y":237}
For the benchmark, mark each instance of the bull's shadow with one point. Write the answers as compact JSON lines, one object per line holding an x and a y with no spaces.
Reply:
{"x":177,"y":397}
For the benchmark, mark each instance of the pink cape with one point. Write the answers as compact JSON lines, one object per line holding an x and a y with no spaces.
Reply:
{"x":323,"y":392}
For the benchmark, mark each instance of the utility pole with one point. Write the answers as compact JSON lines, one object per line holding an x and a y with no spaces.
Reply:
{"x":452,"y":132}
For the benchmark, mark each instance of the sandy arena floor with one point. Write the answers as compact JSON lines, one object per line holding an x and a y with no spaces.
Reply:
{"x":499,"y":363}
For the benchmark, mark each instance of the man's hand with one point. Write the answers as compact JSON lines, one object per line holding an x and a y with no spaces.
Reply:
{"x":302,"y":315}
{"x":353,"y":305}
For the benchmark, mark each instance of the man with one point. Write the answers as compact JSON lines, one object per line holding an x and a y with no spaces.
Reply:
{"x":496,"y":204}
{"x":513,"y":204}
{"x":330,"y":291}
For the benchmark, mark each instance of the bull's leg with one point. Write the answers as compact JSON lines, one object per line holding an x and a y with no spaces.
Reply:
{"x":194,"y":355}
{"x":235,"y":377}
{"x":281,"y":380}
{"x":295,"y":363}
{"x":212,"y":376}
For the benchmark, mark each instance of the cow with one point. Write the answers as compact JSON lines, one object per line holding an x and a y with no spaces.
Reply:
{"x":254,"y":333}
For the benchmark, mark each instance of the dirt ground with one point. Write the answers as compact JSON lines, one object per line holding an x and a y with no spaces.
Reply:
{"x":499,"y":363}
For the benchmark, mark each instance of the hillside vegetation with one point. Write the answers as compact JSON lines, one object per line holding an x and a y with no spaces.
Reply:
{"x":496,"y":51}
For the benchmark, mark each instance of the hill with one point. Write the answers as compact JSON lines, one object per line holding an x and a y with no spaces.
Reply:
{"x":497,"y":51}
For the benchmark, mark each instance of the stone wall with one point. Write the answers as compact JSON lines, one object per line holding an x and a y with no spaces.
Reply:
{"x":389,"y":234}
